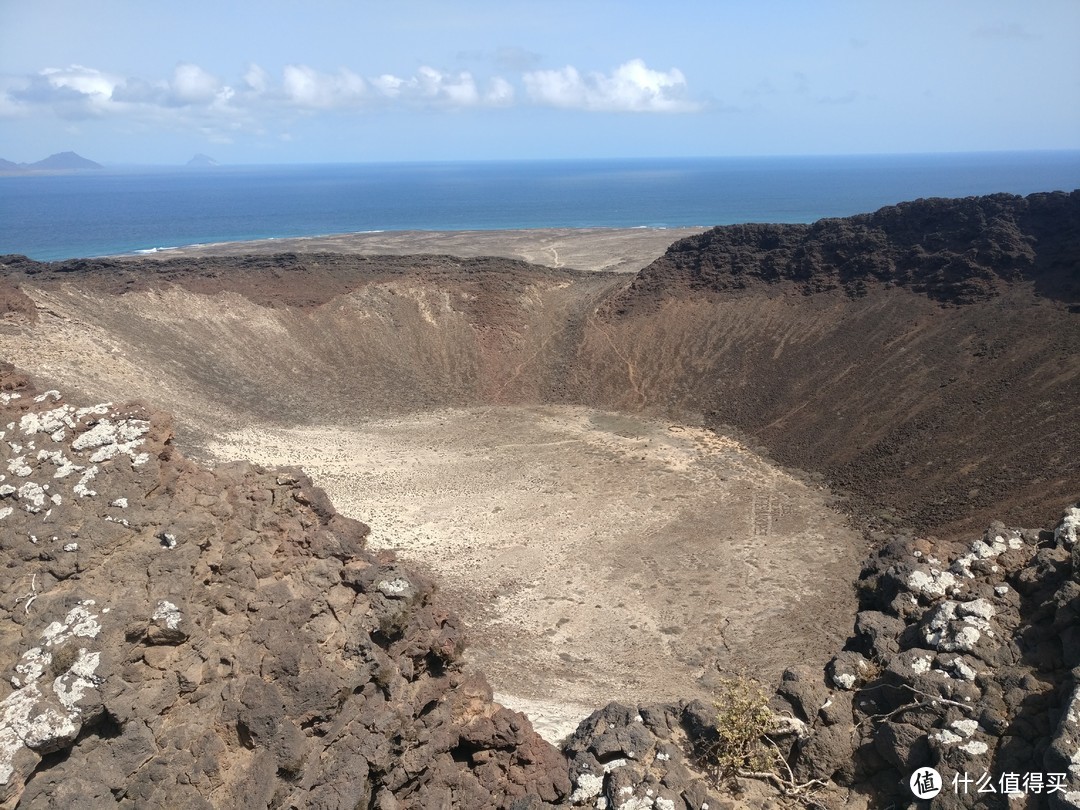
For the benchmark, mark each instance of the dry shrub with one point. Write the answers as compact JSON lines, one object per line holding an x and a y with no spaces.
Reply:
{"x":742,"y":719}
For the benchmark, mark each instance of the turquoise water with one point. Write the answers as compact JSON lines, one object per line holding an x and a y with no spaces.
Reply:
{"x":122,"y":211}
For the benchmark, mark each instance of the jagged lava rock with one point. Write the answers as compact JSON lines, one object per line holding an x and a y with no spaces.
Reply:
{"x":176,"y":636}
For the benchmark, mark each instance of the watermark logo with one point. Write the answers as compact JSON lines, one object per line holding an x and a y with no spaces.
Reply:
{"x":925,"y":783}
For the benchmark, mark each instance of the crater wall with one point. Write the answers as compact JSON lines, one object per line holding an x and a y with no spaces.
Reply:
{"x":924,"y":360}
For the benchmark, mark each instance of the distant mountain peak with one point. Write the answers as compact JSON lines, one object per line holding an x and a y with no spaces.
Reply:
{"x":202,"y":161}
{"x":63,"y":161}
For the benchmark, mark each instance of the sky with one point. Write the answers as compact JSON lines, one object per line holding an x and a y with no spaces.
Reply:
{"x":156,"y":81}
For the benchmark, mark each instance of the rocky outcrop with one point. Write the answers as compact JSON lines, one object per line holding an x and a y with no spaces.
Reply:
{"x":953,"y":251}
{"x":175,"y":636}
{"x":964,"y":658}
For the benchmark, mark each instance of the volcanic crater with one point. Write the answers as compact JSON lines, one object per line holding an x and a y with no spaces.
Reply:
{"x":627,"y":484}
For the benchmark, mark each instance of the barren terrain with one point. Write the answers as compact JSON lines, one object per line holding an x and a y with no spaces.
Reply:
{"x":557,"y":445}
{"x":622,"y":250}
{"x":594,"y":556}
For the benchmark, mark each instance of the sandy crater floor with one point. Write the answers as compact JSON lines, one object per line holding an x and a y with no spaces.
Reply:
{"x":593,"y":556}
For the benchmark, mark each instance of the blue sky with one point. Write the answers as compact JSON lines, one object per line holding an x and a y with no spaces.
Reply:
{"x":121,"y":81}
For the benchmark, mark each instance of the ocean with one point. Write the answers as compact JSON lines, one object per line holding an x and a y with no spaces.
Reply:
{"x":116,"y":211}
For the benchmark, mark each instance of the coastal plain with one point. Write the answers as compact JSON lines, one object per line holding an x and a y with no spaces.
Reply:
{"x":624,"y":250}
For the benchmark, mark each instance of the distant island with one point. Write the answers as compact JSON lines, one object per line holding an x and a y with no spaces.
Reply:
{"x":60,"y":162}
{"x":201,"y":161}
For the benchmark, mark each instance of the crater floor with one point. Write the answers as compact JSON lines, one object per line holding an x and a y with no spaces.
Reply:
{"x":594,"y":556}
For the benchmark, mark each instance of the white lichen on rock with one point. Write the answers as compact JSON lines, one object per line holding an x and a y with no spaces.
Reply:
{"x":64,"y":465}
{"x":845,"y":680}
{"x":109,"y":439}
{"x":73,"y":684}
{"x":29,"y":718}
{"x":50,"y":422}
{"x":975,"y":748}
{"x":985,"y":550}
{"x":167,"y":613}
{"x":946,"y":737}
{"x":958,"y":626}
{"x":394,"y":587}
{"x":962,"y":670}
{"x":1067,"y":531}
{"x":588,"y":787}
{"x":32,"y":496}
{"x":965,"y":728}
{"x":932,"y":582}
{"x":17,"y":466}
{"x":78,"y":622}
{"x":31,"y":666}
{"x":81,"y":489}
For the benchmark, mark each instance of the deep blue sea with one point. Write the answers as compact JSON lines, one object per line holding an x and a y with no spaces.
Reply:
{"x":121,"y":211}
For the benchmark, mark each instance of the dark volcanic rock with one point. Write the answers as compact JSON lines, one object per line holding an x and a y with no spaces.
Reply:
{"x":972,"y":682}
{"x":955,"y":251}
{"x":973,"y":678}
{"x":890,"y":352}
{"x":181,"y":637}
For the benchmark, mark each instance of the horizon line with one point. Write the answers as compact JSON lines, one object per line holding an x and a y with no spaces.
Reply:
{"x":24,"y":167}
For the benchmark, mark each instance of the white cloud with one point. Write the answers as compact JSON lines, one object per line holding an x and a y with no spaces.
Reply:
{"x":432,"y":86}
{"x":306,"y":87}
{"x":500,"y":93}
{"x":559,"y":88}
{"x":73,"y":92}
{"x":257,"y":79}
{"x":192,"y":85}
{"x":389,"y":85}
{"x":459,"y":90}
{"x":89,"y":82}
{"x":631,"y":87}
{"x":194,"y":98}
